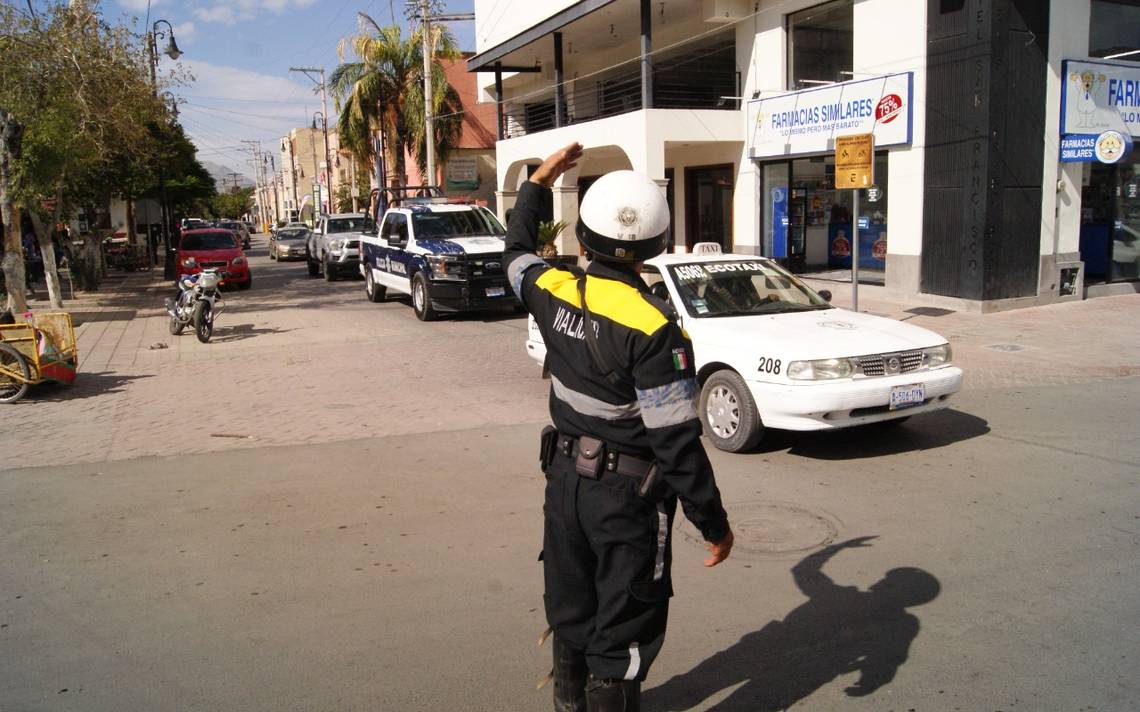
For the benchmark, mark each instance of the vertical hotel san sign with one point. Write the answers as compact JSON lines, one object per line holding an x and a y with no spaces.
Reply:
{"x":1100,"y":110}
{"x":807,"y":122}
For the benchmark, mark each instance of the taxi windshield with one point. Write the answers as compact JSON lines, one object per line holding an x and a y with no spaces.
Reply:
{"x":723,"y":288}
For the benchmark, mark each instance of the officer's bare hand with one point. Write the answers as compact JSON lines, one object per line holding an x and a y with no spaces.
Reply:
{"x":558,"y":163}
{"x":718,"y":551}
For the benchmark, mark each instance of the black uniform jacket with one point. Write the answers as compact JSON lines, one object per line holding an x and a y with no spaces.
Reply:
{"x":651,"y":411}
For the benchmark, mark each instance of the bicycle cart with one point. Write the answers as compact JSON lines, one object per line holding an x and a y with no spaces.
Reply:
{"x":33,"y":353}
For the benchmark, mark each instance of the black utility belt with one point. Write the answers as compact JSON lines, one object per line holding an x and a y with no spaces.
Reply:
{"x":592,"y":459}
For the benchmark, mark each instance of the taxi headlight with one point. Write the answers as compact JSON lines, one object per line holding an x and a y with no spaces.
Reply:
{"x":238,"y":261}
{"x":821,"y":370}
{"x":189,"y":262}
{"x":936,"y":356}
{"x":336,"y":245}
{"x":445,"y":267}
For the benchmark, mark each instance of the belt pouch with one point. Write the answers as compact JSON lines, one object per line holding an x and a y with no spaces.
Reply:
{"x":548,"y":442}
{"x":589,"y":462}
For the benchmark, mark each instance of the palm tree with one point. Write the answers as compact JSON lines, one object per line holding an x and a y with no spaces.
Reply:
{"x":383,"y":91}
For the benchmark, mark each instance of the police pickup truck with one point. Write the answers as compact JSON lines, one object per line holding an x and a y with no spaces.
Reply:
{"x":447,"y":256}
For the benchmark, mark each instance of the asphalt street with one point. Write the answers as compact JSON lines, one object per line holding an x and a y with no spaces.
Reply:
{"x":368,"y":541}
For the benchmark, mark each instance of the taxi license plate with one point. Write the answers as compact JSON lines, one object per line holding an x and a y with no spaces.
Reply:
{"x":907,"y":396}
{"x":496,"y":291}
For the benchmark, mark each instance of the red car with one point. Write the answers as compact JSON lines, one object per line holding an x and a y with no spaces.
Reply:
{"x":212,"y":247}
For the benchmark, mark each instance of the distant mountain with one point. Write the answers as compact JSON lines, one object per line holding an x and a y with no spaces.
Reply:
{"x":223,"y":179}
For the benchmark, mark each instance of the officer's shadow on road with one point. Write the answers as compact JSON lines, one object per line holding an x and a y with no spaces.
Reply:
{"x":240,"y":332}
{"x":923,"y":432}
{"x":838,"y":631}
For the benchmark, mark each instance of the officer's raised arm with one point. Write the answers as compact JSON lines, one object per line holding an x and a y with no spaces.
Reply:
{"x":533,"y":206}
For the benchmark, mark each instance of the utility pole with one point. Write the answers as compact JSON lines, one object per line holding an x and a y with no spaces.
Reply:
{"x":234,"y":177}
{"x":426,"y":17}
{"x":320,"y":71}
{"x":255,"y":149}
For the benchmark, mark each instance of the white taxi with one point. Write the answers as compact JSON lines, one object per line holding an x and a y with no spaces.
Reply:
{"x":772,"y":353}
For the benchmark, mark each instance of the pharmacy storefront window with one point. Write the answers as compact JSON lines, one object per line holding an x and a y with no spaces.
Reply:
{"x":804,"y":220}
{"x":821,"y":44}
{"x":1100,"y":125}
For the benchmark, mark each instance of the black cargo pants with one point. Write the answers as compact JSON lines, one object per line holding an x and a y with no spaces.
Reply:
{"x":606,"y":558}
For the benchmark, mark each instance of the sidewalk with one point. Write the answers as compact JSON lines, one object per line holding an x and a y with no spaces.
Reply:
{"x":1071,"y":342}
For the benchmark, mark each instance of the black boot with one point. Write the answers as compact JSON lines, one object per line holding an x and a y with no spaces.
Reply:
{"x":613,"y":695}
{"x":569,"y":678}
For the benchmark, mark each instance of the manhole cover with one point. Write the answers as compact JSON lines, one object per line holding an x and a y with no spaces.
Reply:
{"x":772,"y":529}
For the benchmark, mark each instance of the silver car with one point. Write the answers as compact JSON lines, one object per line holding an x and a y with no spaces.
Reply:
{"x":289,"y":243}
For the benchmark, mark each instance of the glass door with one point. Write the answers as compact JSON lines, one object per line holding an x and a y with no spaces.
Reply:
{"x":708,"y":192}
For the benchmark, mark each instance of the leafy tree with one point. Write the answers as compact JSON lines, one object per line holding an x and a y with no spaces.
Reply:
{"x":74,"y":103}
{"x":231,"y":205}
{"x":383,"y":91}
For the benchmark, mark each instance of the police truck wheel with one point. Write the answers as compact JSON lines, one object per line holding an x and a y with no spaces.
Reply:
{"x":421,"y":298}
{"x":373,"y":291}
{"x":330,"y":270}
{"x":314,"y":268}
{"x":728,"y":413}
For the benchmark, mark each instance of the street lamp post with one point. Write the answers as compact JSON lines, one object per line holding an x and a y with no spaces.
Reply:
{"x":328,"y":164}
{"x":173,"y":52}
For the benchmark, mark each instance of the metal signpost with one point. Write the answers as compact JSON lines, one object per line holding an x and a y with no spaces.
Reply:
{"x":854,"y":170}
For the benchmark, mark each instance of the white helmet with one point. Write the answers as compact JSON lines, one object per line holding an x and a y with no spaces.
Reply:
{"x":624,"y":218}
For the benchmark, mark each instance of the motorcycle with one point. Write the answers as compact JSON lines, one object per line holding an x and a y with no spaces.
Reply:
{"x":199,"y":303}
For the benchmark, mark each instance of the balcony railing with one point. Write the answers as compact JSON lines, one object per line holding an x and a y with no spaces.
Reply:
{"x":701,"y":78}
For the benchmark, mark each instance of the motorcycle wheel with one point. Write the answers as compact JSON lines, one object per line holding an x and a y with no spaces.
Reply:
{"x":203,"y":321}
{"x":176,"y":326}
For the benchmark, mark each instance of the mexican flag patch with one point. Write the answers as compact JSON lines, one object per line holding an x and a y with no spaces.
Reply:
{"x":680,"y":359}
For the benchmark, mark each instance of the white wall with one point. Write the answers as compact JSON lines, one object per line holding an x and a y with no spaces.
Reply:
{"x":1061,"y":208}
{"x":890,"y":36}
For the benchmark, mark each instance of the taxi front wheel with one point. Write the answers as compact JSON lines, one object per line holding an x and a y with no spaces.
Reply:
{"x":728,"y":413}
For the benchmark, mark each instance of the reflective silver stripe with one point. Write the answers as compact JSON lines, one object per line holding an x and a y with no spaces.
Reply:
{"x":634,"y":662}
{"x":662,"y":540}
{"x":588,"y":405}
{"x":518,"y":267}
{"x":671,"y":404}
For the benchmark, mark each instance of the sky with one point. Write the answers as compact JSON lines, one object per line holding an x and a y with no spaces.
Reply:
{"x":239,"y":53}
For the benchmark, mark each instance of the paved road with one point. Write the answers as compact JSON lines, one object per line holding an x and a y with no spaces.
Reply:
{"x":367,"y":551}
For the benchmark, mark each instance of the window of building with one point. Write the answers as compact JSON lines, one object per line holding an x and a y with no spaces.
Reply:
{"x":1113,"y":29}
{"x":821,"y":43}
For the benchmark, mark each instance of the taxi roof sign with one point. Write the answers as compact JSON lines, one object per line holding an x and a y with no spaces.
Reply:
{"x":854,"y":161}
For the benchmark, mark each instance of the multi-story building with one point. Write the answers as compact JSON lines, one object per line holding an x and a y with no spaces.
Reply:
{"x":1001,"y":128}
{"x":306,"y":183}
{"x":469,"y":169}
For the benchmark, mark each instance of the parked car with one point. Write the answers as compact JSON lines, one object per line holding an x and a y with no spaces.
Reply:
{"x":448,"y":257}
{"x":239,"y":229}
{"x":289,"y":243}
{"x":192,"y":224}
{"x":334,"y":245}
{"x":213,"y":248}
{"x":772,"y":353}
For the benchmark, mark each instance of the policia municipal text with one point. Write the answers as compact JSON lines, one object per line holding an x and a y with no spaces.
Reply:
{"x":625,"y":445}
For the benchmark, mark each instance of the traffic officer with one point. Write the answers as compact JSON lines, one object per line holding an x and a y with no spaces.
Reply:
{"x":625,"y":444}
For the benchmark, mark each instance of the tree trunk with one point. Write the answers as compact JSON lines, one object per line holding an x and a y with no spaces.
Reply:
{"x":13,"y":262}
{"x":47,"y":250}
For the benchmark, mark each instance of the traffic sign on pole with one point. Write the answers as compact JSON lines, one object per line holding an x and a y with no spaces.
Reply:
{"x":854,"y":161}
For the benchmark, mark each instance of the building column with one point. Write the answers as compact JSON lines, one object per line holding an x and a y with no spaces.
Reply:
{"x":499,"y":101}
{"x":504,"y":201}
{"x":559,"y":91}
{"x":646,"y":56}
{"x":566,"y":210}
